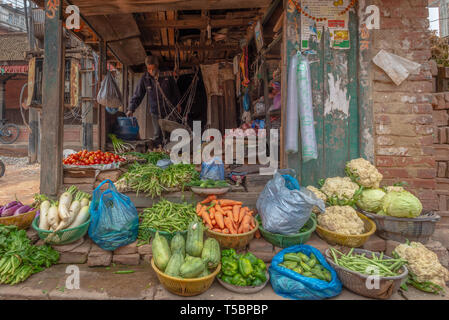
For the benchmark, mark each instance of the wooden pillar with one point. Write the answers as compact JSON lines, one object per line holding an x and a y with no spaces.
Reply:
{"x":101,"y":109}
{"x":53,"y":104}
{"x":87,"y":105}
{"x":266,"y":99}
{"x":34,"y":136}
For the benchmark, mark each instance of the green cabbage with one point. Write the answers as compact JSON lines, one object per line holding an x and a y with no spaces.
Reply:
{"x":371,"y":200}
{"x":401,"y":204}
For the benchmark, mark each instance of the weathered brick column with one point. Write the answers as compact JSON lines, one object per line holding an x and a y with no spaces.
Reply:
{"x":403,"y":119}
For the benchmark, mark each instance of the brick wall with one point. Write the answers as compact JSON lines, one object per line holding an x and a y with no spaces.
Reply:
{"x":440,"y":104}
{"x":403,"y":119}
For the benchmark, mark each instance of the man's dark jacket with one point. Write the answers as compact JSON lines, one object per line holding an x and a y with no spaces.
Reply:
{"x":147,"y":85}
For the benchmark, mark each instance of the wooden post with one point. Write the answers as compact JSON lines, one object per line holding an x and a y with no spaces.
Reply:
{"x":101,"y":109}
{"x":266,"y":100}
{"x":53,"y":104}
{"x":125,"y":88}
{"x":33,"y":138}
{"x":87,"y":105}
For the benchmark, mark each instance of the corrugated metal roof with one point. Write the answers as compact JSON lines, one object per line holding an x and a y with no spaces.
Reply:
{"x":13,"y":46}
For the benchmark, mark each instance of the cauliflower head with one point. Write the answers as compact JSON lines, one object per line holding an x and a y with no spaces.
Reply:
{"x":341,"y":219}
{"x":364,"y":173}
{"x":319,"y":195}
{"x":342,"y":188}
{"x":423,"y":263}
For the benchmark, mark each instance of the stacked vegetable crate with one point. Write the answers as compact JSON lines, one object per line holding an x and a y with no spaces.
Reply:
{"x":87,"y":179}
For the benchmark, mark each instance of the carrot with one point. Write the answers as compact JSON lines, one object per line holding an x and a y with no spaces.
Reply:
{"x":240,"y":230}
{"x":229,"y":213}
{"x":212,"y":213}
{"x":246,"y":219}
{"x":226,"y":230}
{"x":203,"y":209}
{"x":246,"y":228}
{"x":198,"y":207}
{"x":209,"y":199}
{"x":235,"y":213}
{"x":242,"y":213}
{"x":252,"y":222}
{"x":228,"y":224}
{"x":206,"y":218}
{"x":226,"y":202}
{"x":214,"y":222}
{"x":225,"y":208}
{"x":217,"y":230}
{"x":219,"y":219}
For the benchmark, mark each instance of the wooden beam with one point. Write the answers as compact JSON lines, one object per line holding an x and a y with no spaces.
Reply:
{"x":221,"y":47}
{"x":102,"y":110}
{"x":101,"y":7}
{"x":195,"y":23}
{"x":204,"y":14}
{"x":53,"y":101}
{"x":164,"y":35}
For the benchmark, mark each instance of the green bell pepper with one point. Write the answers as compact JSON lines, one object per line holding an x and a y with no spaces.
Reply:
{"x":261,"y":265}
{"x":252,"y":258}
{"x":257,"y":282}
{"x":238,"y":280}
{"x":245,"y":267}
{"x":229,"y":253}
{"x":227,"y":279}
{"x":260,"y":274}
{"x":229,"y":266}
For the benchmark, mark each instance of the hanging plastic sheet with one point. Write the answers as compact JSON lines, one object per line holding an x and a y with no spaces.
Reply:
{"x":292,"y":118}
{"x":308,"y":138}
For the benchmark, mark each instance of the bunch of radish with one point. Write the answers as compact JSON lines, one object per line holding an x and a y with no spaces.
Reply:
{"x":71,"y":211}
{"x":14,"y":208}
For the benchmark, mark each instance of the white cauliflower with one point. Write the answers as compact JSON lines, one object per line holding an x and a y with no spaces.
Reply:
{"x":364,"y":173}
{"x":341,"y":219}
{"x":342,"y":188}
{"x":423,"y":263}
{"x":319,"y":195}
{"x":394,"y":188}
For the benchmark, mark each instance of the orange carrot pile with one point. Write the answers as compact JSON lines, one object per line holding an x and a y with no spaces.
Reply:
{"x":225,"y":216}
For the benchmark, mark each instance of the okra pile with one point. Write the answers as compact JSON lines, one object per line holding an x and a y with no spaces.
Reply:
{"x":306,"y":266}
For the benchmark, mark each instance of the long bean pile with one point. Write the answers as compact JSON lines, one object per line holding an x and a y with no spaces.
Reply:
{"x":168,"y":216}
{"x":364,"y":265}
{"x":153,"y":180}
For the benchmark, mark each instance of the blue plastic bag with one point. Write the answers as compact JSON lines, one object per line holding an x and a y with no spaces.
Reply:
{"x":115,"y":221}
{"x":213,"y":170}
{"x":292,"y":285}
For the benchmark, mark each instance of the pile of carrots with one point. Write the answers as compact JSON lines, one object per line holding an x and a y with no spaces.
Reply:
{"x":225,"y":216}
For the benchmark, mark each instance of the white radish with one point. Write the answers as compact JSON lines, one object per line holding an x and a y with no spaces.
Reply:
{"x":82,"y":217}
{"x":53,"y":217}
{"x":84,"y":202}
{"x":43,"y":218}
{"x":64,"y":205}
{"x":75,"y":207}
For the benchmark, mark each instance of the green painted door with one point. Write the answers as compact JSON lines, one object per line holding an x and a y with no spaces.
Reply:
{"x":334,"y":86}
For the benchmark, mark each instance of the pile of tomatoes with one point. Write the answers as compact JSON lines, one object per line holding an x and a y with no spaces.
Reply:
{"x":87,"y":158}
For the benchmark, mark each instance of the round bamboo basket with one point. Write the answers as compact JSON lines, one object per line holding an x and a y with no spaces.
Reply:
{"x":185,"y":287}
{"x":353,"y":241}
{"x":22,"y":221}
{"x":235,"y":241}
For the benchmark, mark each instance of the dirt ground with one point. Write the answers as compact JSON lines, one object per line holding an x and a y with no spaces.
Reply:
{"x":21,"y":180}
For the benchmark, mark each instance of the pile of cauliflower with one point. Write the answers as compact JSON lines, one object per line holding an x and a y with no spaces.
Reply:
{"x":341,"y":219}
{"x":364,"y":173}
{"x":342,"y":188}
{"x":423,"y":263}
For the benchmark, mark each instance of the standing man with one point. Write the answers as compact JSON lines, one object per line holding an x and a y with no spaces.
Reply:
{"x":158,"y":106}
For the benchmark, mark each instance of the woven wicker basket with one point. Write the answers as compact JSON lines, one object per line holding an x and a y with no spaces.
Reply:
{"x":185,"y":287}
{"x":22,"y":221}
{"x":353,"y":241}
{"x":418,"y":229}
{"x":235,"y":241}
{"x":357,"y":282}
